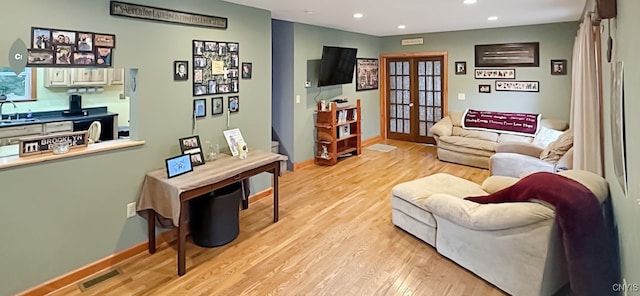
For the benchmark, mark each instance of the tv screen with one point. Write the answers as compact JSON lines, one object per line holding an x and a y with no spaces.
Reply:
{"x":336,"y":66}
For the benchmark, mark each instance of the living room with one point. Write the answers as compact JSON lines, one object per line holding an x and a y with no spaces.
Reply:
{"x":52,"y":231}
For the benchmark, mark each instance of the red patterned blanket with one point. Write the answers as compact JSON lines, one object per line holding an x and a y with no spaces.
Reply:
{"x":589,"y":252}
{"x":526,"y":124}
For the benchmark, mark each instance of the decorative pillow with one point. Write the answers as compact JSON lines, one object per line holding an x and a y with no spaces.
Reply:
{"x":545,"y":136}
{"x":558,"y":148}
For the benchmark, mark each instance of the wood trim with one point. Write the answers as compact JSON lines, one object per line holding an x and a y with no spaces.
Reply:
{"x":163,"y":240}
{"x":304,"y":164}
{"x":384,"y":87}
{"x":34,"y":84}
{"x":372,"y":141}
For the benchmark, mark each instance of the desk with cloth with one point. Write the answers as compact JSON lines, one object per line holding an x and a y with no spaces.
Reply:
{"x":168,"y":197}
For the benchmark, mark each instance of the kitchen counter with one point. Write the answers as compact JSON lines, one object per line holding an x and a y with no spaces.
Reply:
{"x":56,"y":116}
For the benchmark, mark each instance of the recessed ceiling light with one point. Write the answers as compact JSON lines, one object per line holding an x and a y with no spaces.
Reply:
{"x":402,"y":27}
{"x":308,"y":12}
{"x":358,"y":15}
{"x":493,"y":18}
{"x":470,"y":1}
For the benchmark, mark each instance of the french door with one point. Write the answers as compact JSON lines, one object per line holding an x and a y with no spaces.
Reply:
{"x":415,"y":97}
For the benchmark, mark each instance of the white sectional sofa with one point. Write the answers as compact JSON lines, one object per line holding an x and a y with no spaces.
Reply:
{"x":514,"y":246}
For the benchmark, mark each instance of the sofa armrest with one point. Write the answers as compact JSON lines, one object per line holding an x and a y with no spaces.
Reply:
{"x":565,"y":162}
{"x":519,"y":147}
{"x":443,"y":127}
{"x":494,"y":184}
{"x":495,"y":216}
{"x":516,"y":165}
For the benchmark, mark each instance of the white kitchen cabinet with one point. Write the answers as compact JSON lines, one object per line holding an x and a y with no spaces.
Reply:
{"x":116,"y":76}
{"x":56,"y":77}
{"x":57,"y":127}
{"x":88,"y":77}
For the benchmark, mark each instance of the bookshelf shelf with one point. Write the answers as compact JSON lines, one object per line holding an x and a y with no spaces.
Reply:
{"x":338,"y":133}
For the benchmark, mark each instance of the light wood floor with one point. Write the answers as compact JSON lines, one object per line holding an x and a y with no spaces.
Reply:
{"x":334,"y":237}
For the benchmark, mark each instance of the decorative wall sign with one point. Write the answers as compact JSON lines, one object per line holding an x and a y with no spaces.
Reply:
{"x":166,"y":15}
{"x":43,"y":144}
{"x":367,"y":70}
{"x":66,"y":48}
{"x":215,"y":67}
{"x":461,"y":68}
{"x":508,"y":55}
{"x":191,"y":145}
{"x":526,"y":86}
{"x":495,"y":73}
{"x":558,"y":67}
{"x":484,"y":88}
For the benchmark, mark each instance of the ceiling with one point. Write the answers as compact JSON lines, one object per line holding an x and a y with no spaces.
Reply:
{"x":382,"y":17}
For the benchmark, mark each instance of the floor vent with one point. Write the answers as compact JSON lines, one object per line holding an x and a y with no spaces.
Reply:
{"x":98,"y":279}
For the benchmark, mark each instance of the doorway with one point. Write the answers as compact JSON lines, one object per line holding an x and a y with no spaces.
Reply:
{"x":413,"y":95}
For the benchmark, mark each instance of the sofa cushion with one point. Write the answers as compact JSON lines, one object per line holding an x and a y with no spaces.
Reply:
{"x":456,"y":118}
{"x":513,"y":138}
{"x":545,"y":136}
{"x":558,"y":148}
{"x":556,"y":124}
{"x":467,"y":145}
{"x":482,"y":135}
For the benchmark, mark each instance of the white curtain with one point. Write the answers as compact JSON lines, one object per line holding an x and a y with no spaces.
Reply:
{"x":585,"y":106}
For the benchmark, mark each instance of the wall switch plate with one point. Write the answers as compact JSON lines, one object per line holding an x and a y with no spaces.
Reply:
{"x":461,"y":96}
{"x":297,"y":99}
{"x":131,"y":209}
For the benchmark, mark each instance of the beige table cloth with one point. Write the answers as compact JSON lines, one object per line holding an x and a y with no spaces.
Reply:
{"x":162,"y":195}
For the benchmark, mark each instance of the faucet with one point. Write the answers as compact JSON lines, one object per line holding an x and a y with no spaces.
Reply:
{"x":3,"y":99}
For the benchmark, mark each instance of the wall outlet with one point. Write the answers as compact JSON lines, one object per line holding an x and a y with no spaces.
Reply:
{"x":131,"y":209}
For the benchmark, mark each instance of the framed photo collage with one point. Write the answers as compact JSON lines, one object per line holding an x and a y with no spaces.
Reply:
{"x":56,"y":47}
{"x":216,"y":67}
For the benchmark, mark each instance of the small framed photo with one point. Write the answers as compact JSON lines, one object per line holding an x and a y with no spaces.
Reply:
{"x":40,"y":57}
{"x":234,"y":104}
{"x":246,"y":70}
{"x":63,"y":54}
{"x":461,"y":68}
{"x":85,"y":42}
{"x":216,"y":106}
{"x":104,"y":56}
{"x":84,"y":58}
{"x":199,"y":108}
{"x":104,"y":40}
{"x":63,"y":37}
{"x":41,"y":38}
{"x":558,"y":67}
{"x":180,"y":70}
{"x":178,"y":165}
{"x":191,"y":146}
{"x":484,"y":88}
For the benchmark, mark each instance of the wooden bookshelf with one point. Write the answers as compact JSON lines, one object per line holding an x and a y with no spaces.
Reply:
{"x":338,"y":133}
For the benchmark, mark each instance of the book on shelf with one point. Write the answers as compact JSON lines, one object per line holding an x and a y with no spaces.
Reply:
{"x":344,"y":131}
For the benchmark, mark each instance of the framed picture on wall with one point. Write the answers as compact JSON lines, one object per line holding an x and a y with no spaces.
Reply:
{"x":484,"y":88}
{"x":461,"y":68}
{"x":367,"y":71}
{"x":216,"y":106}
{"x":180,"y":70}
{"x":199,"y":108}
{"x":558,"y":67}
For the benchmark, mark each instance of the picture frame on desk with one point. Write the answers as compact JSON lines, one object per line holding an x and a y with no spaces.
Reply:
{"x":178,"y":165}
{"x":191,"y":146}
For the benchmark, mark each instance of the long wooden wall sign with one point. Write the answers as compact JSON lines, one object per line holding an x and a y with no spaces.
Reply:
{"x":166,"y":15}
{"x":43,"y":144}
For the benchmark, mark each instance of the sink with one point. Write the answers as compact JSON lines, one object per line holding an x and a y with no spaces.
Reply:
{"x":18,"y":121}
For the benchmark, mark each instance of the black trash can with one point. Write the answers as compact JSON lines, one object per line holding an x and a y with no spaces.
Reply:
{"x":214,"y":217}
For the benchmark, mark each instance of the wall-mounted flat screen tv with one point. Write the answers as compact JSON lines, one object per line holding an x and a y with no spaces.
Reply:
{"x":336,"y":66}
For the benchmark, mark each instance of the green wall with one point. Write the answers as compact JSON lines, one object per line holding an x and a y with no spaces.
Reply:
{"x":556,"y":42}
{"x":308,"y":42}
{"x":61,"y":215}
{"x":626,"y":206}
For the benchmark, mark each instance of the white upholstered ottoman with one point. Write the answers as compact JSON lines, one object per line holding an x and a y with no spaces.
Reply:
{"x":407,"y":202}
